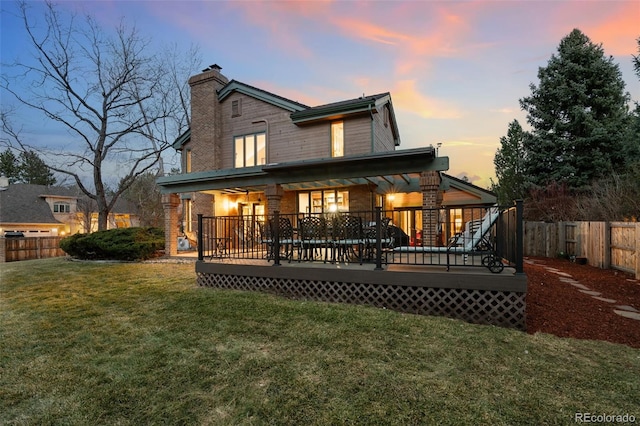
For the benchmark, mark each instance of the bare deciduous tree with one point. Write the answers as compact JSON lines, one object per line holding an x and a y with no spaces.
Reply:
{"x":120,"y":101}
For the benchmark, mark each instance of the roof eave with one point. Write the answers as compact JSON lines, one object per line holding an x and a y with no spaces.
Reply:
{"x":182,"y":139}
{"x":236,"y":86}
{"x":331,"y":112}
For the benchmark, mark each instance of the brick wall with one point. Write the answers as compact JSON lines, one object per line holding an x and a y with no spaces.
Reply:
{"x":206,"y":119}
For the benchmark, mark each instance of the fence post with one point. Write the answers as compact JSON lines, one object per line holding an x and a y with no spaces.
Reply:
{"x":606,"y":249}
{"x":637,"y":247}
{"x":519,"y":238}
{"x":200,"y":239}
{"x":276,"y":238}
{"x":3,"y":250}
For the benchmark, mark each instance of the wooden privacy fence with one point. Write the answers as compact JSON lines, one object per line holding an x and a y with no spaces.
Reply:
{"x":604,"y":244}
{"x":14,"y":249}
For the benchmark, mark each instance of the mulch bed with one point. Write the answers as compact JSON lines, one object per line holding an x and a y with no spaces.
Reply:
{"x":558,"y":308}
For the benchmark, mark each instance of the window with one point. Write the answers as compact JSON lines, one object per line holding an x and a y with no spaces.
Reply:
{"x":327,"y":201}
{"x":236,"y":108}
{"x":337,"y":139}
{"x":187,"y":161}
{"x":186,"y":224}
{"x":61,"y":208}
{"x":250,"y":150}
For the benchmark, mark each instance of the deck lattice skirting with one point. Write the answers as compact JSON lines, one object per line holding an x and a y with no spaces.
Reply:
{"x":501,"y":307}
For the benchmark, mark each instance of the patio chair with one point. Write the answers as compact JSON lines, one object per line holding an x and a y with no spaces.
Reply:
{"x":474,"y":242}
{"x":371,"y":237}
{"x":312,"y":235}
{"x":286,"y":239}
{"x":347,"y":234}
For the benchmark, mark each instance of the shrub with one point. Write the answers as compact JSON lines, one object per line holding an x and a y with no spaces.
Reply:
{"x":115,"y":244}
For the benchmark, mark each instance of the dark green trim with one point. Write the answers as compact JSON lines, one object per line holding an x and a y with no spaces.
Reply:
{"x":254,"y":92}
{"x":397,"y":169}
{"x":337,"y":110}
{"x":182,"y":139}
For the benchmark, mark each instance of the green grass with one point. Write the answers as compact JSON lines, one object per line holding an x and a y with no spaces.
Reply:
{"x":109,"y":343}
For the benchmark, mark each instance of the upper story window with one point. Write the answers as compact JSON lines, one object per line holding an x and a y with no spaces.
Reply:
{"x":236,"y":108}
{"x":61,"y":208}
{"x":337,"y":139}
{"x":250,"y":150}
{"x":187,"y":161}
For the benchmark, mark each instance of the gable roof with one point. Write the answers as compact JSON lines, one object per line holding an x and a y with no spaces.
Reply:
{"x":302,"y":114}
{"x":483,"y":195}
{"x":25,"y":203}
{"x":341,"y":108}
{"x":263,"y":95}
{"x":337,"y":110}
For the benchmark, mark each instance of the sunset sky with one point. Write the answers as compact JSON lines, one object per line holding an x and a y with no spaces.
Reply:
{"x":455,"y":69}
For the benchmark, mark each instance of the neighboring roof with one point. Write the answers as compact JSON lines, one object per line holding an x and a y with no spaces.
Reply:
{"x":25,"y":203}
{"x":123,"y":206}
{"x":484,"y":195}
{"x":263,"y":95}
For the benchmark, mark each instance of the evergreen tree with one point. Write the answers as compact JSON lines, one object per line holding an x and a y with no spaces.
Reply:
{"x":9,"y":166}
{"x":579,"y":116}
{"x":34,"y":171}
{"x":633,"y":148}
{"x":509,"y":165}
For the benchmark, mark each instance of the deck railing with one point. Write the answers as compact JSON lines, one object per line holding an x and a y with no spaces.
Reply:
{"x":461,"y":236}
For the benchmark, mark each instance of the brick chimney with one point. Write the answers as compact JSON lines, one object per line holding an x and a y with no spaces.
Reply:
{"x":206,"y":118}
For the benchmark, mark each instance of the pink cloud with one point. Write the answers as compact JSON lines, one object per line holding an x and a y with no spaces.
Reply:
{"x":614,"y":23}
{"x":618,"y":34}
{"x":407,"y":97}
{"x":359,"y":28}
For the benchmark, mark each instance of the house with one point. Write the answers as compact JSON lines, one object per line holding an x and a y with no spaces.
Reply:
{"x":43,"y":211}
{"x":252,"y":155}
{"x":252,"y":152}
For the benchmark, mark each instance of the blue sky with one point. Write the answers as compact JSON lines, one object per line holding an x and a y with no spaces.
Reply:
{"x":455,"y":70}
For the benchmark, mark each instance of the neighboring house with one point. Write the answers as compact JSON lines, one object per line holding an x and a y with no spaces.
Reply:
{"x":42,"y":211}
{"x":252,"y":152}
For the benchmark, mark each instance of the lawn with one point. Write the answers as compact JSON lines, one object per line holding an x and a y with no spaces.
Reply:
{"x":130,"y":343}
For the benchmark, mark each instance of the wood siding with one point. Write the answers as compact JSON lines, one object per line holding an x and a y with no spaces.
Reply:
{"x":382,"y":135}
{"x":357,"y":135}
{"x":456,"y":196}
{"x":285,"y":140}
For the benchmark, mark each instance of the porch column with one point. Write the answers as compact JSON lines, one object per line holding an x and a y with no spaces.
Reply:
{"x":431,"y":200}
{"x":170,"y":203}
{"x":273,"y":193}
